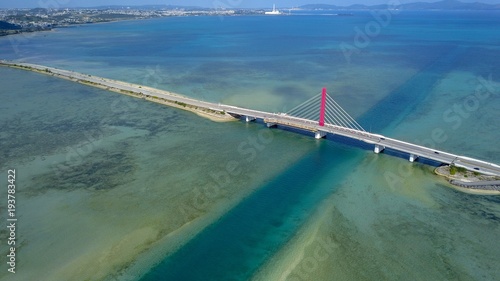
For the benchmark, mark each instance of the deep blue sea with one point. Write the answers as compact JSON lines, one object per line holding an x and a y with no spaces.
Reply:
{"x":116,"y":188}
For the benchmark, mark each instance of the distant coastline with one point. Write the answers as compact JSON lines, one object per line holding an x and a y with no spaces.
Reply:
{"x":17,"y":21}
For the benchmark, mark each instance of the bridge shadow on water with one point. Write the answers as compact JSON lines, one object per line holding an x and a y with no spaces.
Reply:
{"x":359,"y":144}
{"x":369,"y":147}
{"x":391,"y":110}
{"x":242,"y":240}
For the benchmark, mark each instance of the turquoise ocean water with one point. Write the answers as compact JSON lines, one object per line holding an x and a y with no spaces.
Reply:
{"x":155,"y":193}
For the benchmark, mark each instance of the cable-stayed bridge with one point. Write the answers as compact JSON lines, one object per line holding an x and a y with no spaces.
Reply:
{"x":320,"y":115}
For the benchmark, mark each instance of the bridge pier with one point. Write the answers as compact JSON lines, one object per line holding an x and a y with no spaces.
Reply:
{"x":378,"y":148}
{"x":319,"y":135}
{"x":270,"y":124}
{"x":413,"y":157}
{"x":249,"y":118}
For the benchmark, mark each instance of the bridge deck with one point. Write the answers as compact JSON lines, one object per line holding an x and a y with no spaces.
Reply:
{"x":375,"y":139}
{"x":282,"y":119}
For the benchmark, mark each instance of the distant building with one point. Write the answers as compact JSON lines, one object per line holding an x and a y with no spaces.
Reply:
{"x":274,"y":11}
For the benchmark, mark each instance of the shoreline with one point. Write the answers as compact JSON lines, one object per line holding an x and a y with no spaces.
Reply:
{"x":112,"y":20}
{"x":460,"y":181}
{"x":128,"y":89}
{"x":27,"y":31}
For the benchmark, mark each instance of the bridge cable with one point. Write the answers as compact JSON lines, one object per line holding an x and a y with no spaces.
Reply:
{"x":355,"y":123}
{"x":334,"y":113}
{"x":339,"y":113}
{"x":298,"y":107}
{"x":341,"y":119}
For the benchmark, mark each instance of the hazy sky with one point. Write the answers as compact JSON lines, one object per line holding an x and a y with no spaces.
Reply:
{"x":203,"y":3}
